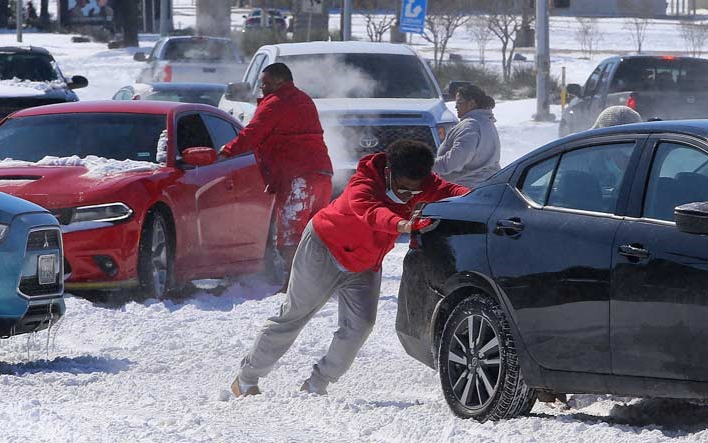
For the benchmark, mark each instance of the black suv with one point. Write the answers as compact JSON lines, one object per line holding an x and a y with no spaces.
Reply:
{"x":29,"y":76}
{"x":581,"y":267}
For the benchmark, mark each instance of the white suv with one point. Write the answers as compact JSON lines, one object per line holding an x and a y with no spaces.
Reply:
{"x":367,"y":94}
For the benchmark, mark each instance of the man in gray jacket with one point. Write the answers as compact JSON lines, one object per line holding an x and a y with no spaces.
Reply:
{"x":470,"y":152}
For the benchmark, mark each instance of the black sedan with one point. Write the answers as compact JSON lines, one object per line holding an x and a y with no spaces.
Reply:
{"x":582,"y":267}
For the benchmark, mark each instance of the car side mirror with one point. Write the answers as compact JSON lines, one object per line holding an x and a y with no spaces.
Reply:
{"x":78,"y":81}
{"x":692,"y":218}
{"x":238,"y":92}
{"x":139,"y":57}
{"x":199,"y":156}
{"x":573,"y":89}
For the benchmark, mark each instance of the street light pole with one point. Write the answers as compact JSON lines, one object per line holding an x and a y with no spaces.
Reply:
{"x":164,"y":6}
{"x":543,"y":62}
{"x":347,"y":22}
{"x":19,"y":21}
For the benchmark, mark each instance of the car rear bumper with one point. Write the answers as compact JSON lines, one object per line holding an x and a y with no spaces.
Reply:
{"x":416,"y":305}
{"x":103,"y":257}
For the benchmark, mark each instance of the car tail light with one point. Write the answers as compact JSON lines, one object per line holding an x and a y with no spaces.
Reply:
{"x":420,"y":226}
{"x":632,"y":102}
{"x":166,"y":74}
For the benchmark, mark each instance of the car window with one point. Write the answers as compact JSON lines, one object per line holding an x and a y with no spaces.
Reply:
{"x":191,"y":133}
{"x":221,"y":131}
{"x":661,"y":74}
{"x":255,"y":70}
{"x":592,"y":82}
{"x":537,"y":180}
{"x":602,"y":84}
{"x":27,"y":66}
{"x":590,"y":178}
{"x":119,"y":136}
{"x":679,"y":175}
{"x":203,"y":49}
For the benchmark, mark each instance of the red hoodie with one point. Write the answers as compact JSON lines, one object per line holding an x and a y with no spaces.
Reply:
{"x":286,"y":135}
{"x":360,"y":226}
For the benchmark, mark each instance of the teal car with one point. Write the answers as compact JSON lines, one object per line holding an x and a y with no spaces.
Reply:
{"x":31,"y":267}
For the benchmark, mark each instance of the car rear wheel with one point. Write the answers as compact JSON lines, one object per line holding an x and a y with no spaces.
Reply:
{"x":479,"y":368}
{"x":155,"y":266}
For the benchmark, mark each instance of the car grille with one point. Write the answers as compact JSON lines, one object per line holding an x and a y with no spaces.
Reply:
{"x":372,"y":139}
{"x":44,"y":239}
{"x":30,"y":286}
{"x":40,"y":240}
{"x":10,"y":105}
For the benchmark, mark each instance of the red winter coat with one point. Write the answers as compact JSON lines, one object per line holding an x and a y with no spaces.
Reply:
{"x":360,"y":226}
{"x":286,"y":136}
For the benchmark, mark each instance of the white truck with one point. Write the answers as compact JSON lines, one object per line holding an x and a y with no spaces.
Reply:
{"x":191,"y":59}
{"x":367,"y":94}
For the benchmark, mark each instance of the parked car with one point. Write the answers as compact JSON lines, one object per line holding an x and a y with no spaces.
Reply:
{"x":367,"y":94}
{"x":206,"y":93}
{"x":663,"y":87}
{"x":29,"y":76}
{"x":260,"y":18}
{"x":580,"y":268}
{"x":31,"y":275}
{"x":192,"y":59}
{"x":139,"y":207}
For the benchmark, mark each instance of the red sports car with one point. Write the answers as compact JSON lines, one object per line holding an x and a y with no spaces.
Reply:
{"x":136,"y":186}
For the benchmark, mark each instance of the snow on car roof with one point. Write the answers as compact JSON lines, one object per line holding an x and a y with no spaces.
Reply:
{"x":285,"y":49}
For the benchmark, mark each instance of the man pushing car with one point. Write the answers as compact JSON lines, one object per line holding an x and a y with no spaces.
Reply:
{"x":341,"y":252}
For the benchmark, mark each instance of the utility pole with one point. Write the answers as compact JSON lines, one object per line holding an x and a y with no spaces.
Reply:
{"x":164,"y":6}
{"x":19,"y":21}
{"x":347,"y":22}
{"x":543,"y":62}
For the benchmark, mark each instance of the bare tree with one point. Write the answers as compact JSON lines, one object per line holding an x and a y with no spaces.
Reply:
{"x":588,"y":35}
{"x":442,"y":21}
{"x":478,"y":26}
{"x":694,"y":36}
{"x":637,"y":27}
{"x":506,"y":24}
{"x":377,"y":24}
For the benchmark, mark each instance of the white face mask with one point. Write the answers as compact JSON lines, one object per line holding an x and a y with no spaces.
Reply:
{"x":389,"y":191}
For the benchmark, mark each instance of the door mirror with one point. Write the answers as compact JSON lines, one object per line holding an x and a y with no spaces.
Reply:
{"x":78,"y":81}
{"x":200,"y":156}
{"x":139,"y":57}
{"x":692,"y":218}
{"x":573,"y":89}
{"x":238,"y":92}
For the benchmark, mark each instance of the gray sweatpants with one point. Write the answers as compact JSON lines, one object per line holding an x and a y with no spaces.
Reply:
{"x":314,"y":278}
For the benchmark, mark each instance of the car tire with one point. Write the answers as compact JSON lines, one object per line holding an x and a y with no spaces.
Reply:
{"x":496,"y":390}
{"x":155,"y":260}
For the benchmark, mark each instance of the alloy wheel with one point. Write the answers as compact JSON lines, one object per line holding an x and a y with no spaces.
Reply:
{"x":474,"y":362}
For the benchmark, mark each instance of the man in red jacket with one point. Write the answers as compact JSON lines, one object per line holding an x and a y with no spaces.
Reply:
{"x":287,"y":138}
{"x":341,"y":252}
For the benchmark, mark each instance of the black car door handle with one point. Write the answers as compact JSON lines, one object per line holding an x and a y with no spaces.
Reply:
{"x":633,"y":251}
{"x":510,"y":227}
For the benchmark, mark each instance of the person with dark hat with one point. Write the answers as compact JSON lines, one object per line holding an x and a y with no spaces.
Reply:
{"x":471,"y":150}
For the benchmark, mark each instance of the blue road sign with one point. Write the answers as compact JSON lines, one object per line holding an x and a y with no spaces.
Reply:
{"x":413,"y":16}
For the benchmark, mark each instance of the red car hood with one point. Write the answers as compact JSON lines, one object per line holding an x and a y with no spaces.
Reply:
{"x":64,"y":186}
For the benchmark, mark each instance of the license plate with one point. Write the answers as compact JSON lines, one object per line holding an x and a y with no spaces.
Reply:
{"x":46,"y":270}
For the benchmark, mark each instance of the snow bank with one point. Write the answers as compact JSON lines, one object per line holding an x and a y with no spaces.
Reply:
{"x":96,"y":166}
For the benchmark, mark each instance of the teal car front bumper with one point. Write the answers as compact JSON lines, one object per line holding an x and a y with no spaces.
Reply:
{"x":31,"y":274}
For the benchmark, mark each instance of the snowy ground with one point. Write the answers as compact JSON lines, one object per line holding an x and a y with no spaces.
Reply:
{"x":160,"y":371}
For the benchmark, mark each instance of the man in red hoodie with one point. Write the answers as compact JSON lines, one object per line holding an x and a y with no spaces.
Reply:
{"x":341,"y":252}
{"x":287,"y":138}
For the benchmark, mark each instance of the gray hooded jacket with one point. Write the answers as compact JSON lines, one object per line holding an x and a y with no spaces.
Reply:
{"x":470,"y":152}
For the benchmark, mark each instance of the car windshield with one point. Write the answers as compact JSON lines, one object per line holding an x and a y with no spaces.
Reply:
{"x":662,"y":74}
{"x":199,"y":50}
{"x":208,"y":97}
{"x":361,"y":76}
{"x":26,"y":66}
{"x":119,"y":136}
